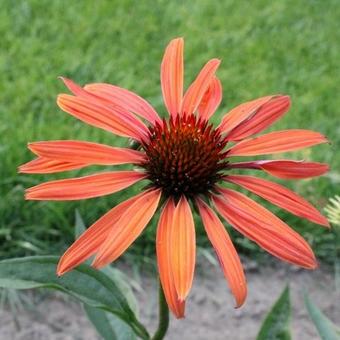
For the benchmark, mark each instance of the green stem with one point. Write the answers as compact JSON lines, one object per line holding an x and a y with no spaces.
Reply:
{"x":163,"y":322}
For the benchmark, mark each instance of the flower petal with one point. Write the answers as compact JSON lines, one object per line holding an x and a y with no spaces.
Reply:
{"x":126,"y":99}
{"x":276,"y":142}
{"x":115,"y":120}
{"x":85,"y":152}
{"x":211,"y":99}
{"x":280,"y":196}
{"x":129,"y":226}
{"x":164,"y":249}
{"x":114,"y":96}
{"x":124,"y":102}
{"x":193,"y":96}
{"x":172,"y":70}
{"x":91,"y":239}
{"x":262,"y":118}
{"x":242,"y":112}
{"x":42,"y":165}
{"x":286,"y":169}
{"x":183,"y":248}
{"x":84,"y":187}
{"x":226,"y":252}
{"x":264,"y":228}
{"x":77,"y":90}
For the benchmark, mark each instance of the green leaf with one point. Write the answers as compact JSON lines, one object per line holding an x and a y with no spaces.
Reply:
{"x":90,"y":286}
{"x":325,"y":327}
{"x":276,"y":323}
{"x":120,"y":279}
{"x":122,"y":282}
{"x":108,"y":325}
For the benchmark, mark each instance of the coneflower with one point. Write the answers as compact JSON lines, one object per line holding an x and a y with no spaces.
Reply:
{"x":184,"y":160}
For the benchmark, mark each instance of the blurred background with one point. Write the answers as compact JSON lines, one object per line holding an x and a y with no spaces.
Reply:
{"x":266,"y":47}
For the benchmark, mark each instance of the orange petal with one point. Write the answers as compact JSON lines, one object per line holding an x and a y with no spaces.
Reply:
{"x":262,"y":118}
{"x":280,"y":196}
{"x":172,"y":70}
{"x":84,"y":187}
{"x":242,"y":112}
{"x":77,"y":90}
{"x":226,"y":252}
{"x":93,"y":112}
{"x":276,"y":142}
{"x":113,"y":96}
{"x":211,"y":99}
{"x":286,"y":169}
{"x":42,"y":165}
{"x":89,"y":242}
{"x":130,"y":225}
{"x":193,"y":96}
{"x":85,"y":152}
{"x":163,"y":248}
{"x":183,"y":248}
{"x":126,"y":99}
{"x":264,"y":228}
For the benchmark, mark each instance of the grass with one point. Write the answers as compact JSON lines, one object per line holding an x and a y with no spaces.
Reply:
{"x":266,"y":46}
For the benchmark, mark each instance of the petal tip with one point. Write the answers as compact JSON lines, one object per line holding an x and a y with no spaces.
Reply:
{"x":179,"y":39}
{"x":216,"y":61}
{"x":61,"y":100}
{"x":21,"y":169}
{"x":31,"y":146}
{"x":62,"y":78}
{"x":312,"y":264}
{"x":60,"y":272}
{"x":324,"y":222}
{"x":239,"y":302}
{"x":180,"y":316}
{"x":62,"y":267}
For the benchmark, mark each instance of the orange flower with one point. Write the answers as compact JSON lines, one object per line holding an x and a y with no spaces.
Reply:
{"x":184,"y":159}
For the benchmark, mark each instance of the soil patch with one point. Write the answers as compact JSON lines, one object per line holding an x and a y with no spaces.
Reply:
{"x":210,"y":312}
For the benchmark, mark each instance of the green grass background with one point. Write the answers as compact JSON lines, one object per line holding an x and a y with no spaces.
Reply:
{"x":266,"y":47}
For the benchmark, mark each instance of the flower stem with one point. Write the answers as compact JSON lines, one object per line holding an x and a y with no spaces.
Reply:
{"x":163,"y":322}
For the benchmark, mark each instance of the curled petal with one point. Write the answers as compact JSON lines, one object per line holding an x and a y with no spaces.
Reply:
{"x":183,"y":248}
{"x":226,"y":252}
{"x":265,"y":115}
{"x":211,"y":99}
{"x":77,"y":90}
{"x":193,"y":96}
{"x":286,"y":169}
{"x":241,"y":113}
{"x":43,"y":165}
{"x":276,"y":142}
{"x":172,"y":70}
{"x":129,"y":226}
{"x":117,"y":96}
{"x":164,"y":249}
{"x":111,"y":95}
{"x":280,"y":196}
{"x":264,"y":228}
{"x":85,"y":152}
{"x":115,"y":120}
{"x":89,"y":242}
{"x":84,"y":187}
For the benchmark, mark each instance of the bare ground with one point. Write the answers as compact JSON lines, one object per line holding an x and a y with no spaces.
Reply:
{"x":209,"y":315}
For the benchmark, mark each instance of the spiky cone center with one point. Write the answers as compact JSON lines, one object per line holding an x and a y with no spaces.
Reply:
{"x":184,"y":156}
